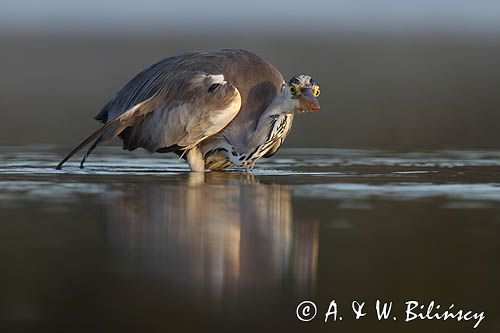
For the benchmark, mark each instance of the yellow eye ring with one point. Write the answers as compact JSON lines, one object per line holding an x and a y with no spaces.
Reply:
{"x":316,"y":92}
{"x":293,"y":91}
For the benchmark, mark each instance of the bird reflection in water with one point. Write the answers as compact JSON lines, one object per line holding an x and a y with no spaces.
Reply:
{"x":216,"y":234}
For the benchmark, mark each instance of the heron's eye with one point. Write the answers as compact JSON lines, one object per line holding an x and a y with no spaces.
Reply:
{"x":293,"y":91}
{"x":316,"y":92}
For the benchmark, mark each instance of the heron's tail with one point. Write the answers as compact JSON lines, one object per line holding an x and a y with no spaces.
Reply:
{"x":132,"y":117}
{"x":97,"y":136}
{"x":91,"y":148}
{"x":121,"y":123}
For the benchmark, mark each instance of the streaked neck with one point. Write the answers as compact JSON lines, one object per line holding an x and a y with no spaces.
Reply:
{"x":281,"y":106}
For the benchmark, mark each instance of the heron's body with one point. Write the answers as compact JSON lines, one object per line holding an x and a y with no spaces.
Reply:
{"x":218,"y":109}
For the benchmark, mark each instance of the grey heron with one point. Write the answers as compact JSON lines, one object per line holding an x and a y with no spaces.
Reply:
{"x":217,"y":109}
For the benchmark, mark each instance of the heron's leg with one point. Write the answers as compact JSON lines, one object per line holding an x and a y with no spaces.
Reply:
{"x":196,"y":179}
{"x":249,"y":166}
{"x":195,"y":159}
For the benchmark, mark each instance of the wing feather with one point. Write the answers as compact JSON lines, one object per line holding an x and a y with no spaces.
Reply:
{"x":158,"y":122}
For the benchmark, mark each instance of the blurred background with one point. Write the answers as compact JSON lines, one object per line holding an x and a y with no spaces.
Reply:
{"x":394,"y":74}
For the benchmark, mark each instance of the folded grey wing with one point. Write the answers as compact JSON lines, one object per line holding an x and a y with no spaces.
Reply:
{"x":206,"y":105}
{"x":202,"y":105}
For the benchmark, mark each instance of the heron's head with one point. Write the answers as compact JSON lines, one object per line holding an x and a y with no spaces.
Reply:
{"x":305,"y":91}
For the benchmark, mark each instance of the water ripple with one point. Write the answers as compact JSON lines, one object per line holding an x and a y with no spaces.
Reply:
{"x":401,"y":191}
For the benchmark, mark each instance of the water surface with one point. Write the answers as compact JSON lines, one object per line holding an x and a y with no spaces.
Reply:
{"x":136,"y":242}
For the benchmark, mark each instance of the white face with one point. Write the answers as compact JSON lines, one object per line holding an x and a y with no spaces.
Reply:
{"x":304,"y":90}
{"x":290,"y":103}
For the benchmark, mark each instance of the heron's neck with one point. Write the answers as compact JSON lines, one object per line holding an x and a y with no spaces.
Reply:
{"x":279,"y":108}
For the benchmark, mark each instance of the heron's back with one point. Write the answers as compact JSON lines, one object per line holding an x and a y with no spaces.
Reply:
{"x":257,"y":81}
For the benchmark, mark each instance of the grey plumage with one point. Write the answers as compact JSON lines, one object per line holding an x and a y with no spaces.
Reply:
{"x":221,"y":108}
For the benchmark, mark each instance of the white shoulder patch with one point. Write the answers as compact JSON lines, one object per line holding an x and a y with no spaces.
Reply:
{"x":217,"y":79}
